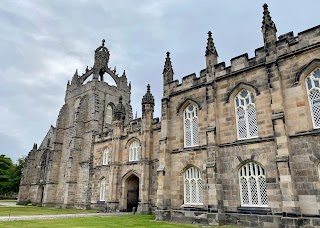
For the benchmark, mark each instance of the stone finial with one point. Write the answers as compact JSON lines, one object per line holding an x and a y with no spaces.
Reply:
{"x":119,"y":111}
{"x":148,"y":97}
{"x":35,"y":146}
{"x":266,"y":19}
{"x":167,"y":65}
{"x":75,"y":77}
{"x":102,"y":48}
{"x":210,"y":49}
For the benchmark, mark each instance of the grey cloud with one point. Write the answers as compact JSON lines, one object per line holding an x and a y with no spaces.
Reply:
{"x":43,"y":42}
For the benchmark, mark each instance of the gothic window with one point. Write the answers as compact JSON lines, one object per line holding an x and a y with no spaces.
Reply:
{"x":43,"y":166}
{"x":105,"y":157}
{"x":246,"y":115}
{"x":109,"y":115}
{"x":102,"y":189}
{"x":134,"y":151}
{"x":313,"y":90}
{"x":253,"y":187}
{"x":191,"y":131}
{"x":193,"y":186}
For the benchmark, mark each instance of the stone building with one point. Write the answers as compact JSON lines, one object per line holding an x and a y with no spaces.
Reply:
{"x":238,"y":144}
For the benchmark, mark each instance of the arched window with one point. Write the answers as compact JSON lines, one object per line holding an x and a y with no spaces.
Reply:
{"x":313,"y":90}
{"x":319,"y":170}
{"x":253,"y":187}
{"x":191,"y":131}
{"x":108,"y":115}
{"x":105,"y":157}
{"x":102,"y":189}
{"x":134,"y":151}
{"x":193,"y":186}
{"x":246,"y":115}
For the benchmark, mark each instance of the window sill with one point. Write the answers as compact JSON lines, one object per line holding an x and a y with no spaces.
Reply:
{"x":254,"y":210}
{"x":132,"y":162}
{"x":192,"y":205}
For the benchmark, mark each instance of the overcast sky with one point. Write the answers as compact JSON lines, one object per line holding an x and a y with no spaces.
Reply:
{"x":42,"y":43}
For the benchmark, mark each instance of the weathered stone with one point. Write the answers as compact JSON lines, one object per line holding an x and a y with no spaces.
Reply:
{"x":98,"y":156}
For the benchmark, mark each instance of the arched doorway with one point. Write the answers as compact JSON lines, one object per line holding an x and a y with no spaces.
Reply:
{"x":132,"y":192}
{"x":40,"y":194}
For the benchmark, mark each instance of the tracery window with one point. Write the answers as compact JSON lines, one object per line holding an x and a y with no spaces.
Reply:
{"x":193,"y":186}
{"x":313,"y":90}
{"x":246,"y":115}
{"x":102,"y":189}
{"x":105,"y":157}
{"x":191,"y":131}
{"x":134,"y":151}
{"x":253,"y":187}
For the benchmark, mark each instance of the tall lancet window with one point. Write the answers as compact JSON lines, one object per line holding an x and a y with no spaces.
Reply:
{"x":103,"y":189}
{"x":108,"y":114}
{"x":313,"y":90}
{"x":253,"y":187}
{"x":191,"y":131}
{"x":193,"y":187}
{"x":105,"y":157}
{"x":134,"y":151}
{"x":246,"y":115}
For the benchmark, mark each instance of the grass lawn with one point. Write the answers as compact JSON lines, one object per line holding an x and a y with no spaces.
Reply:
{"x":8,"y":200}
{"x":33,"y":210}
{"x":137,"y":221}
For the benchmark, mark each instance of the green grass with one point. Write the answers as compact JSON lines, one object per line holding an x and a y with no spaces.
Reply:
{"x":33,"y":210}
{"x":8,"y":200}
{"x":137,"y":221}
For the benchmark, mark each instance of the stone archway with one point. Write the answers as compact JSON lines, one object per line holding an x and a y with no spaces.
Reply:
{"x":40,"y":194}
{"x":132,"y":192}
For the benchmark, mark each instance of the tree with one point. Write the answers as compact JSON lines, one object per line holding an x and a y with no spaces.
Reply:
{"x":10,"y":175}
{"x":6,"y":167}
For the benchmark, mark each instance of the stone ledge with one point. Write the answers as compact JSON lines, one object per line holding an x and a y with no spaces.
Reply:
{"x":248,"y":141}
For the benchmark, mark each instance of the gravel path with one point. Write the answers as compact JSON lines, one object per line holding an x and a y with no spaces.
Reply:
{"x":9,"y":204}
{"x":33,"y":217}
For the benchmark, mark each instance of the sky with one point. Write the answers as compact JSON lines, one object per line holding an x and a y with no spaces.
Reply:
{"x":42,"y":43}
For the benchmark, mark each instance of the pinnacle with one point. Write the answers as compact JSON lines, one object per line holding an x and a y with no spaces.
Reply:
{"x":148,"y":97}
{"x":210,"y":49}
{"x":167,"y":64}
{"x":267,"y":20}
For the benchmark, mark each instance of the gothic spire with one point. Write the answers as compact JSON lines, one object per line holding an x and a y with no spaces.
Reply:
{"x":267,"y":20}
{"x":148,"y":97}
{"x":75,"y":77}
{"x":167,"y":65}
{"x":35,"y":146}
{"x":210,"y":49}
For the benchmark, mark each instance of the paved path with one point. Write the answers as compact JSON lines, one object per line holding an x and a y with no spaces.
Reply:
{"x":9,"y":204}
{"x":33,"y":217}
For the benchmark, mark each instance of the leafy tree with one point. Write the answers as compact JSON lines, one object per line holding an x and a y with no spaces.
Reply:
{"x":6,"y":166}
{"x":10,"y":175}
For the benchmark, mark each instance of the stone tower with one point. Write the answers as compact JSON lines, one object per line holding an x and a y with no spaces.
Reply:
{"x":88,"y":110}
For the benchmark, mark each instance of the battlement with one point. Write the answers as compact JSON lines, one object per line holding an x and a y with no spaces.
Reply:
{"x":80,"y":90}
{"x":188,"y":82}
{"x":285,"y":45}
{"x":134,"y":126}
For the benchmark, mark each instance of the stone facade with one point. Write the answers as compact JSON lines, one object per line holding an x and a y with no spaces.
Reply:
{"x":192,"y":165}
